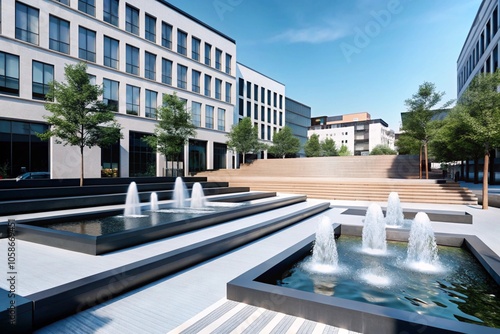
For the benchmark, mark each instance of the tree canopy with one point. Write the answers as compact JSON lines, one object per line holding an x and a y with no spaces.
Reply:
{"x":77,"y":117}
{"x":174,"y":128}
{"x":312,"y":147}
{"x":328,"y":148}
{"x":284,"y":142}
{"x":244,"y":138}
{"x":344,"y":151}
{"x":478,"y":115}
{"x":422,"y":109}
{"x":382,"y":150}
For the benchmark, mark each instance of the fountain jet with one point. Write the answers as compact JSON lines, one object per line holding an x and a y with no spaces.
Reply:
{"x":324,"y":255}
{"x":153,"y":202}
{"x":373,"y":236}
{"x":197,"y":197}
{"x":422,"y":248}
{"x":394,"y":215}
{"x":132,"y":203}
{"x":180,"y":193}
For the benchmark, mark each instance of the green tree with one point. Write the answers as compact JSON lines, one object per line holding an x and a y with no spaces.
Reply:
{"x":478,"y":111}
{"x":382,"y":150}
{"x":173,"y":130}
{"x":417,"y":122}
{"x":244,"y":138}
{"x":77,"y":117}
{"x":408,"y":145}
{"x":344,"y":151}
{"x":328,"y":148}
{"x":284,"y":142}
{"x":312,"y":147}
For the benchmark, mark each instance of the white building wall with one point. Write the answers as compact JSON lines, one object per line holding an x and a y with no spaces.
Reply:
{"x":381,"y":135}
{"x":253,"y":77}
{"x":341,"y":136}
{"x":25,"y":108}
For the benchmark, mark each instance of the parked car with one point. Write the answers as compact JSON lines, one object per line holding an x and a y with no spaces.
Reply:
{"x":33,"y":176}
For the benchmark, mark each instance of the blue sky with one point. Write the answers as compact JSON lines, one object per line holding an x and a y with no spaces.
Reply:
{"x":346,"y":56}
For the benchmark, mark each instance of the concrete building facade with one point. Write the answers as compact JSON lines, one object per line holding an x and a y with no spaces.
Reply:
{"x":358,"y":132}
{"x":480,"y":50}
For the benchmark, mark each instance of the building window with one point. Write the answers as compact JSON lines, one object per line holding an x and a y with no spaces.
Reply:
{"x":249,"y":90}
{"x":262,"y":95}
{"x":110,"y":94}
{"x":150,"y":28}
{"x":221,"y":119}
{"x":249,"y":109}
{"x":268,"y":97}
{"x":281,"y":101}
{"x":256,"y":92}
{"x":220,"y":153}
{"x":181,"y":76}
{"x":268,"y":115}
{"x":110,"y":160}
{"x":132,"y":19}
{"x":9,"y":74}
{"x":142,"y":158}
{"x":241,"y":87}
{"x":209,"y":117}
{"x":182,"y":42}
{"x":262,"y":131}
{"x":151,"y":103}
{"x":196,"y":81}
{"x":275,"y":117}
{"x":228,"y":63}
{"x":58,"y":34}
{"x":133,"y":100}
{"x":281,"y":119}
{"x":166,"y":71}
{"x":229,"y":88}
{"x":241,"y":108}
{"x":43,"y":74}
{"x":195,"y":48}
{"x":110,"y":13}
{"x":26,"y":23}
{"x":150,"y":66}
{"x":268,"y":132}
{"x":208,"y":54}
{"x":166,"y":35}
{"x":111,"y":52}
{"x":218,"y":59}
{"x":87,"y":6}
{"x":263,"y":114}
{"x":218,"y":88}
{"x":208,"y":85}
{"x":275,"y":100}
{"x":65,"y":2}
{"x":132,"y":65}
{"x":87,"y":44}
{"x":256,"y":111}
{"x":196,"y":113}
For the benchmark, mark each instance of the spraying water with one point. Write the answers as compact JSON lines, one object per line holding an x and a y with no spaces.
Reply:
{"x":197,"y":197}
{"x":422,"y":248}
{"x":153,"y":202}
{"x":324,"y":255}
{"x":394,"y":215}
{"x":374,"y":238}
{"x":132,"y":203}
{"x":180,"y":193}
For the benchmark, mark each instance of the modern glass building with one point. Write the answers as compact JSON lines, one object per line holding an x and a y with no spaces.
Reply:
{"x":298,"y":118}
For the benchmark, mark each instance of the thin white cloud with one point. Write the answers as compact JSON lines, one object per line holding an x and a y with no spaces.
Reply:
{"x":311,"y":35}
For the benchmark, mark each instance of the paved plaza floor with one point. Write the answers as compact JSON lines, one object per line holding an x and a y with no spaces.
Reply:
{"x":183,"y":301}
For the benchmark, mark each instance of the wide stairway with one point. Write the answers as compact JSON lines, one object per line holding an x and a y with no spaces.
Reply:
{"x":362,"y":178}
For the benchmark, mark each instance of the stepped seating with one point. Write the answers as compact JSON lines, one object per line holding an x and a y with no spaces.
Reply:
{"x":363,"y":178}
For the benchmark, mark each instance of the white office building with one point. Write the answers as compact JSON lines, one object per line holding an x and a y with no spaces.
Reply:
{"x":480,"y":50}
{"x":262,"y":99}
{"x":358,"y":132}
{"x":138,"y":50}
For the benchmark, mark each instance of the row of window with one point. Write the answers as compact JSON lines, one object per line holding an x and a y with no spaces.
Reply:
{"x":59,"y":41}
{"x":272,"y":97}
{"x":482,"y":44}
{"x":111,"y":15}
{"x":43,"y":74}
{"x":266,"y":135}
{"x":277,"y":118}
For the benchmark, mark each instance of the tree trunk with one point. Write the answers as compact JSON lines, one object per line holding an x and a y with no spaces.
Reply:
{"x":485,"y":179}
{"x":426,"y":162}
{"x":81,"y":167}
{"x":243,"y":154}
{"x":420,"y":163}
